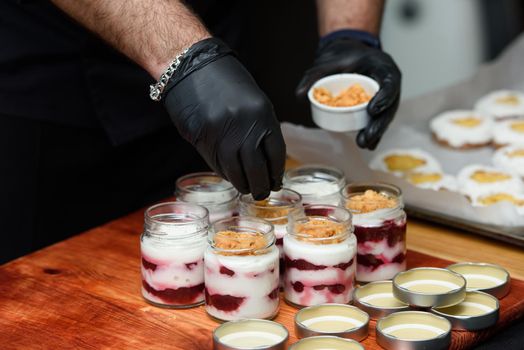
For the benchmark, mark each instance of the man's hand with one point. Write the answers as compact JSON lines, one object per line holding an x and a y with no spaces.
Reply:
{"x":217,"y":106}
{"x":350,"y":45}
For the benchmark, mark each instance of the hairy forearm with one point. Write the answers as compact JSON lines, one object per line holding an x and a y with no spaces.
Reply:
{"x":363,"y":15}
{"x":151,"y":33}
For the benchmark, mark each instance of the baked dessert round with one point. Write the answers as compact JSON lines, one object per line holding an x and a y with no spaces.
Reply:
{"x":433,"y":181}
{"x":510,"y":158}
{"x":479,"y":180}
{"x":462,"y":129}
{"x":402,"y":161}
{"x":508,"y":132}
{"x":517,"y":200}
{"x":502,"y":104}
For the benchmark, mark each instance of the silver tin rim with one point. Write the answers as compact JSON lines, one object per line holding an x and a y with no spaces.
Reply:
{"x":295,"y":345}
{"x":389,"y":342}
{"x":357,"y":333}
{"x":218,"y":345}
{"x":450,"y":298}
{"x":376,"y":312}
{"x":498,"y":291}
{"x":473,"y":323}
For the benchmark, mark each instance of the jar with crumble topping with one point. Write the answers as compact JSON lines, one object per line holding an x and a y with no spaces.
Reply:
{"x":317,"y":184}
{"x":172,"y":248}
{"x":320,"y":251}
{"x":380,"y":226}
{"x":211,"y":191}
{"x":241,"y":270}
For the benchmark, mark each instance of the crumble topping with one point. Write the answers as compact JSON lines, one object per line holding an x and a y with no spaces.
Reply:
{"x":370,"y":201}
{"x":516,"y":153}
{"x":352,"y":96}
{"x":518,"y":126}
{"x":314,"y":229}
{"x":468,"y":122}
{"x":271,"y":210}
{"x":403,"y":162}
{"x":483,"y":176}
{"x":421,"y":178}
{"x":499,"y":197}
{"x":231,"y":240}
{"x":508,"y":100}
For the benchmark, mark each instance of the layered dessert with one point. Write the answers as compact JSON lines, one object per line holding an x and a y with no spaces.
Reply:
{"x":511,"y":158}
{"x":274,"y":209}
{"x":211,"y":191}
{"x":502,"y":104}
{"x":380,"y":228}
{"x":478,"y":180}
{"x":462,"y":129}
{"x":241,"y":270}
{"x":317,"y":184}
{"x":172,"y":248}
{"x":508,"y":132}
{"x":320,"y":257}
{"x":400,"y":162}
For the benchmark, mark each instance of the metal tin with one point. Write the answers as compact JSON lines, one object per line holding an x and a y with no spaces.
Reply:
{"x":326,"y":343}
{"x":250,"y":334}
{"x":339,"y":320}
{"x":478,"y":311}
{"x":429,"y":287}
{"x":488,"y":278}
{"x":377,"y":299}
{"x":413,"y":330}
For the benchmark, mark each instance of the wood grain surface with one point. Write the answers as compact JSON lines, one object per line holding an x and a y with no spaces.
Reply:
{"x":85,"y":293}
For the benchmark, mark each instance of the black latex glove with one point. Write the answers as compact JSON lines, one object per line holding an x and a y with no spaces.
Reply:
{"x":217,"y":106}
{"x":348,"y":55}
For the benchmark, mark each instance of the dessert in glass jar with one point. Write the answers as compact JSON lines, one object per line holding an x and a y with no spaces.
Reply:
{"x":241,"y":270}
{"x":211,"y":191}
{"x":320,"y":251}
{"x":172,"y":247}
{"x":380,"y":226}
{"x":317,"y":184}
{"x":275,"y":209}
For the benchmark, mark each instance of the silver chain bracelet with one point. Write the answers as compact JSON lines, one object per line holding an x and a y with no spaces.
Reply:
{"x":156,"y":90}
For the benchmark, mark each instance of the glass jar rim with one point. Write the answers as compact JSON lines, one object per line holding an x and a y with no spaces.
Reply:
{"x":228,"y":188}
{"x":391,"y":190}
{"x":199,"y":214}
{"x":346,"y":222}
{"x":337,"y":175}
{"x":249,"y":200}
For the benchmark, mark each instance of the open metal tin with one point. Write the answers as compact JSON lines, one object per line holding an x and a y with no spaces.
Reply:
{"x":377,"y":299}
{"x":478,"y":311}
{"x":429,"y":287}
{"x":339,"y":320}
{"x":250,"y":334}
{"x":413,"y":330}
{"x":326,"y":343}
{"x":489,"y":278}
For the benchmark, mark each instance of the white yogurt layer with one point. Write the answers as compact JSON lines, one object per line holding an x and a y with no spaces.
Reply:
{"x":515,"y":163}
{"x":446,"y":128}
{"x":474,"y":189}
{"x":431,"y":163}
{"x":501,"y":104}
{"x":506,"y":132}
{"x":316,"y":191}
{"x":320,"y":254}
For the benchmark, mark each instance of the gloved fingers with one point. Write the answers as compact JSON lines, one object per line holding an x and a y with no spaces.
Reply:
{"x":370,"y":136}
{"x":275,"y":151}
{"x":389,"y":79}
{"x":255,"y":167}
{"x":231,"y":169}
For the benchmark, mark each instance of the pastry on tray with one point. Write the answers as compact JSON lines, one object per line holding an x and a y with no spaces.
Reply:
{"x":508,"y":132}
{"x":402,"y":161}
{"x":490,"y":199}
{"x":433,"y":181}
{"x":510,"y":158}
{"x":479,"y":180}
{"x":502,"y":104}
{"x":462,"y":129}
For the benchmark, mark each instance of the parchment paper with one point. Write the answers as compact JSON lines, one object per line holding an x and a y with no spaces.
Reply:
{"x":410,"y":129}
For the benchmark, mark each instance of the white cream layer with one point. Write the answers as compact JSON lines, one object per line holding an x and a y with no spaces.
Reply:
{"x":514,"y":164}
{"x":473,"y":189}
{"x":503,"y":134}
{"x":320,"y":254}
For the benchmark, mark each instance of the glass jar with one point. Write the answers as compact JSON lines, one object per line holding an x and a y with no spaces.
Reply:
{"x":172,"y":248}
{"x":274,"y":209}
{"x":380,"y":227}
{"x":320,"y":251}
{"x":317,"y":184}
{"x":241,"y":270}
{"x":211,"y":191}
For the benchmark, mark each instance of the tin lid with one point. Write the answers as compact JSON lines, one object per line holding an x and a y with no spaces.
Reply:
{"x":429,"y":287}
{"x":377,"y":299}
{"x":478,"y":311}
{"x":326,"y":343}
{"x":250,"y":334}
{"x":340,"y":320}
{"x":489,"y":278}
{"x":413,"y":330}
